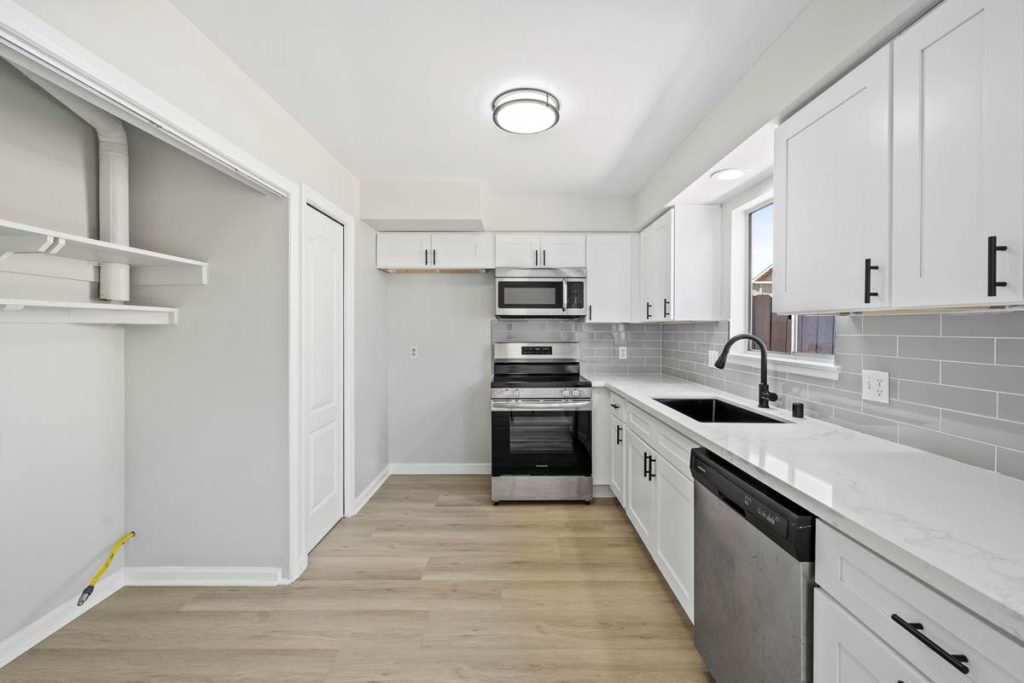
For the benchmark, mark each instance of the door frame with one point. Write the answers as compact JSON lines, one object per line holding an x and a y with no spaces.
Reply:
{"x":298,"y":556}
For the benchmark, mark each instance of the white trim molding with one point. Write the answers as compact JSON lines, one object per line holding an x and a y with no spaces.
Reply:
{"x":202,"y":576}
{"x":788,"y":363}
{"x":440,"y":468}
{"x":360,"y":501}
{"x":22,"y":641}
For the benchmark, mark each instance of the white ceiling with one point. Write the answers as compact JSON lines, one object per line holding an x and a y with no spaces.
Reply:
{"x":401,"y":89}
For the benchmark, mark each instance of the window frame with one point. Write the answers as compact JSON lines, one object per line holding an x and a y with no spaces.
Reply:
{"x":819,"y":365}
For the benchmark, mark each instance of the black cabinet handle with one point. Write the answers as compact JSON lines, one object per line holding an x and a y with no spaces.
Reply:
{"x":648,"y":310}
{"x":426,"y":257}
{"x":993,"y":248}
{"x":544,"y":257}
{"x":614,"y":405}
{"x":958,"y":662}
{"x":650,"y":470}
{"x":867,"y":280}
{"x":618,"y":434}
{"x":435,"y":256}
{"x":646,"y":457}
{"x":590,"y":312}
{"x":665,"y":308}
{"x":536,"y":257}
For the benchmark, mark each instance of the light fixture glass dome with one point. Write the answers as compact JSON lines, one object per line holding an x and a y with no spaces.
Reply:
{"x":728,"y":174}
{"x":525,"y":110}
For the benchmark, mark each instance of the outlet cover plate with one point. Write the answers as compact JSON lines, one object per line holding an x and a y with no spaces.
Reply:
{"x":875,"y":386}
{"x":623,"y":352}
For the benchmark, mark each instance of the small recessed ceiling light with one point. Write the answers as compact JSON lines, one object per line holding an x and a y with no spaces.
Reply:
{"x":525,"y":110}
{"x":728,"y":174}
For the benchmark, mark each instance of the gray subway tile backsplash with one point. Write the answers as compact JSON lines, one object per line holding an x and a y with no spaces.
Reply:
{"x":956,"y":379}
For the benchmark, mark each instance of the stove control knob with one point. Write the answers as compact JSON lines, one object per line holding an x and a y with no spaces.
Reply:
{"x":576,"y":393}
{"x":565,"y":392}
{"x":508,"y":392}
{"x":516,"y":393}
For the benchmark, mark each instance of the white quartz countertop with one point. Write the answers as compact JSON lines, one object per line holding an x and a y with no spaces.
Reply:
{"x":958,"y":528}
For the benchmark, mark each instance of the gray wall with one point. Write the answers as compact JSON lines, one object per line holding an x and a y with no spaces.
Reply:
{"x":371,"y":358}
{"x":207,"y":399}
{"x":956,"y":381}
{"x":439,"y":403}
{"x":62,"y":393}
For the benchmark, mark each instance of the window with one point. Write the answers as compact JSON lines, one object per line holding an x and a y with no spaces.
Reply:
{"x":805,"y":334}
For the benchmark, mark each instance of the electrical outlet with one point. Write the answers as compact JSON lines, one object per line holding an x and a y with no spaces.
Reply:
{"x":414,"y":352}
{"x":875,"y":386}
{"x":623,"y":352}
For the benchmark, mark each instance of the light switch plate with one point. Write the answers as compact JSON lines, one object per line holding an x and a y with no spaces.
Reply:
{"x":875,"y":386}
{"x":623,"y":352}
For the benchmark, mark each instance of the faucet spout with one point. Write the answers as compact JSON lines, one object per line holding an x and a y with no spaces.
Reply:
{"x":764,"y":394}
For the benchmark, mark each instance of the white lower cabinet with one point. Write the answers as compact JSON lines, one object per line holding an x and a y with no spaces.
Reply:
{"x":617,"y":459}
{"x":640,"y":498}
{"x":674,"y":529}
{"x":845,"y":651}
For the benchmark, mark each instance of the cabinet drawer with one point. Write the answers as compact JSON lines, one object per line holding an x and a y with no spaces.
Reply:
{"x":640,"y":423}
{"x":847,"y":652}
{"x":673,"y":446}
{"x":617,"y":405}
{"x":874,"y":590}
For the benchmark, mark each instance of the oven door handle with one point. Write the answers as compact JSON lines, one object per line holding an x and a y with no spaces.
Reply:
{"x":539,"y":406}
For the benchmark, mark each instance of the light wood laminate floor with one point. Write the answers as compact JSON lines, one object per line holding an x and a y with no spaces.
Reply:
{"x":429,"y":583}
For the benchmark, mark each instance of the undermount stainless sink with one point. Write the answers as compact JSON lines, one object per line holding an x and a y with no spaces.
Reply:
{"x":714,"y":410}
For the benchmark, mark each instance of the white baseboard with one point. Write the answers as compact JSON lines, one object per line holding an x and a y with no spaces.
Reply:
{"x":21,"y":641}
{"x":370,"y":491}
{"x":603,"y":491}
{"x":202,"y":576}
{"x":440,"y":468}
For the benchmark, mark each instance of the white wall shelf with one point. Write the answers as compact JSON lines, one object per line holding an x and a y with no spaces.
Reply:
{"x":83,"y":312}
{"x":149,"y":267}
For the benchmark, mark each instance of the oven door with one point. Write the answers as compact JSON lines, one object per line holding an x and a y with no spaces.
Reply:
{"x":530,"y":298}
{"x":541,"y":437}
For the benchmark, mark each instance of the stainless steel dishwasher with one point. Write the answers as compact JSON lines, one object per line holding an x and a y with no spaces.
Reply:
{"x":753,"y":577}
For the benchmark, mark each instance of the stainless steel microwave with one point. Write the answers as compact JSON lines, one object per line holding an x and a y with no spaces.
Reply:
{"x":540,"y":292}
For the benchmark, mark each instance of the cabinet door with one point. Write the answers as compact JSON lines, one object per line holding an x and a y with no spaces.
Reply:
{"x":697,"y":286}
{"x":656,"y":269}
{"x":674,"y":554}
{"x":517,"y":250}
{"x":845,"y":651}
{"x":617,"y":461}
{"x":958,"y":105}
{"x":563,"y":251}
{"x":462,"y":250}
{"x":832,"y":182}
{"x":640,"y":493}
{"x":403,"y":250}
{"x":610,"y":278}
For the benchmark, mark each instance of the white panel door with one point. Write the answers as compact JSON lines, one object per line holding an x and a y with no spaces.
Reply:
{"x":656,"y":269}
{"x":674,"y":554}
{"x":958,"y":90}
{"x":640,"y":493}
{"x":563,"y":250}
{"x":832,"y":182}
{"x":322,"y":373}
{"x":403,"y":250}
{"x":610,"y":278}
{"x":617,"y":461}
{"x":845,"y":651}
{"x":517,"y":250}
{"x":462,"y":250}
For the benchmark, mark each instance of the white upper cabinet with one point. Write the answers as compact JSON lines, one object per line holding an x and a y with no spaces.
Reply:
{"x":958,"y":156}
{"x":559,"y":250}
{"x":832,"y":210}
{"x":656,"y":270}
{"x":610,"y":277}
{"x":536,"y":250}
{"x":697,"y":273}
{"x":517,"y":250}
{"x":439,"y":250}
{"x":403,"y":250}
{"x":462,"y":250}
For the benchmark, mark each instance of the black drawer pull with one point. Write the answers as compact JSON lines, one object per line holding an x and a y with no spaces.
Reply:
{"x":867,"y":280}
{"x":648,"y":310}
{"x":958,"y":662}
{"x":618,"y":434}
{"x":646,"y":465}
{"x":615,"y":405}
{"x":650,"y":470}
{"x":665,"y":309}
{"x":993,"y":248}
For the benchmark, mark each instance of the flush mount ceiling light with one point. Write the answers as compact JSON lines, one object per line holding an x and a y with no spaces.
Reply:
{"x":728,"y":174}
{"x":525,"y":110}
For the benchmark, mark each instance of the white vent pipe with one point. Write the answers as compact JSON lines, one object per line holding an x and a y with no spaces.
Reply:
{"x":113,"y":183}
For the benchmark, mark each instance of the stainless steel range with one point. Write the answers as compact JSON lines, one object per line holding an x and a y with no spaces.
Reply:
{"x":540,"y":423}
